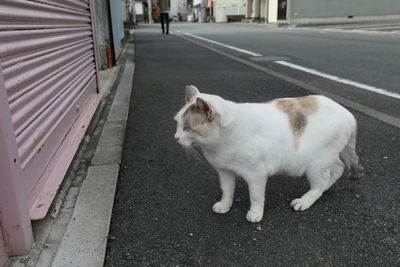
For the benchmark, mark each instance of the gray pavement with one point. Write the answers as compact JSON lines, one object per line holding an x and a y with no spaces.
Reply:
{"x":162,"y":212}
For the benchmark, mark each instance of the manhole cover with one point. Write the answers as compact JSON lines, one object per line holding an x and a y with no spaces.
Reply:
{"x":269,"y":58}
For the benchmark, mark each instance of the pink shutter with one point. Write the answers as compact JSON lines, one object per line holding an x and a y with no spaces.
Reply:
{"x":48,"y":62}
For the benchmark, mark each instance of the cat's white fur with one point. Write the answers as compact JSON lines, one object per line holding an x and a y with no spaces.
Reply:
{"x":258,"y":140}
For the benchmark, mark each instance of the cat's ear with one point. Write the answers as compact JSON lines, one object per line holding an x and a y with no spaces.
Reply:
{"x":190,"y":92}
{"x":205,"y":107}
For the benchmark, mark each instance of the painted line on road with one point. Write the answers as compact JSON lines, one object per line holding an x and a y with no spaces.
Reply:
{"x":374,"y":89}
{"x":224,"y":45}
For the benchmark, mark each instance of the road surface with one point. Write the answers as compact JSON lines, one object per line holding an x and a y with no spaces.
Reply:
{"x":163,"y":207}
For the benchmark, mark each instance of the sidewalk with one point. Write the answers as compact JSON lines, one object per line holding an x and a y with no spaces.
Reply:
{"x":75,"y":231}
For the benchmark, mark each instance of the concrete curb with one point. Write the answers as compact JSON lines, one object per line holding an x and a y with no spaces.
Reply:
{"x":84,"y":242}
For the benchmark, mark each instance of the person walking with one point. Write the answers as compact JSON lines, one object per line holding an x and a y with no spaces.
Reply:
{"x":164,"y":14}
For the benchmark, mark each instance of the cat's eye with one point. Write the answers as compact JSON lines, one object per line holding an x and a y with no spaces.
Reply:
{"x":186,"y":128}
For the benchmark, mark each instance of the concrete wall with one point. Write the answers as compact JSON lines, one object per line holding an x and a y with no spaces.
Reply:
{"x":263,"y":9}
{"x":117,"y":25}
{"x":178,"y":6}
{"x":223,"y":8}
{"x":272,"y":11}
{"x":101,"y":17}
{"x":300,"y":9}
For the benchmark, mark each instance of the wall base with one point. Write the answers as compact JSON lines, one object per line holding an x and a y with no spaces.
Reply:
{"x":338,"y":20}
{"x":3,"y":253}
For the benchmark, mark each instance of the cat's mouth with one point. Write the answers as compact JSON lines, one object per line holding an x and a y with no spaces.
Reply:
{"x":187,"y":143}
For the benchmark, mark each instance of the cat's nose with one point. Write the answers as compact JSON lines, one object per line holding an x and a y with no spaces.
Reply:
{"x":176,"y":137}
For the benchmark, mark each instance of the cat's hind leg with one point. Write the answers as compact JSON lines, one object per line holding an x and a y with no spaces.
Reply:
{"x":227,"y":182}
{"x":320,"y":179}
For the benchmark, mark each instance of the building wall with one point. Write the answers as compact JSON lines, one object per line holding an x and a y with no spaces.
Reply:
{"x":223,"y":8}
{"x":263,"y":9}
{"x":300,"y":9}
{"x":177,"y":6}
{"x":272,"y":11}
{"x":117,"y":17}
{"x":103,"y":39}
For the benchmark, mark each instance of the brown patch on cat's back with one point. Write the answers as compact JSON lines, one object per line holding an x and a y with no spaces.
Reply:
{"x":268,"y":101}
{"x":298,"y":110}
{"x":309,"y":104}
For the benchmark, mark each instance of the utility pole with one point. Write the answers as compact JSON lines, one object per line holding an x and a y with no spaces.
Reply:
{"x":203,"y":8}
{"x":150,"y":11}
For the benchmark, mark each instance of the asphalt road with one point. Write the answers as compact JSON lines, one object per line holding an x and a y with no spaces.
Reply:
{"x":163,"y":207}
{"x":370,"y":59}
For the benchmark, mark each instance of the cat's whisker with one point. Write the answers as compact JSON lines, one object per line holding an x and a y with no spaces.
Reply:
{"x":187,"y":153}
{"x":196,"y":155}
{"x":189,"y":150}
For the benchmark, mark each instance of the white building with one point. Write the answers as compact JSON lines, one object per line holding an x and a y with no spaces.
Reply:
{"x":178,"y":7}
{"x":321,"y":11}
{"x":226,"y":9}
{"x":266,"y":10}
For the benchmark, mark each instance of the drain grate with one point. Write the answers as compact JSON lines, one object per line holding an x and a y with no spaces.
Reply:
{"x":270,"y":58}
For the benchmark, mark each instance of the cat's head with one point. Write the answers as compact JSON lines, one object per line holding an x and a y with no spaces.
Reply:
{"x":200,"y":120}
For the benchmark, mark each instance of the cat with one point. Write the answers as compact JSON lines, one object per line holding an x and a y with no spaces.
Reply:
{"x":311,"y":135}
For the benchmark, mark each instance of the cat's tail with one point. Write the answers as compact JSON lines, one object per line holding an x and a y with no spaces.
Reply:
{"x":351,"y":159}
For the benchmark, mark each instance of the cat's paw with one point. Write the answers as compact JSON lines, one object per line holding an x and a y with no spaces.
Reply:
{"x":221,"y":207}
{"x":254,"y":216}
{"x":300,"y":204}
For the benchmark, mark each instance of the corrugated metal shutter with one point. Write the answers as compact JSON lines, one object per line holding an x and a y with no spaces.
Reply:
{"x":47,"y":59}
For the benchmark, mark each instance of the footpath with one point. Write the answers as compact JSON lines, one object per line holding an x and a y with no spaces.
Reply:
{"x":75,"y":231}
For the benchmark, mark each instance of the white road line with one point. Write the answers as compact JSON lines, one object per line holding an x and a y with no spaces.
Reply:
{"x":224,"y":45}
{"x":374,"y":89}
{"x":341,"y":80}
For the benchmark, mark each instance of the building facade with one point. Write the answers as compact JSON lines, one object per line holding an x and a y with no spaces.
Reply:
{"x":321,"y":11}
{"x":229,"y":10}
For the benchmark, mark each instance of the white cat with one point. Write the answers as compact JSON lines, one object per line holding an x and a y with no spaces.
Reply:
{"x":308,"y":135}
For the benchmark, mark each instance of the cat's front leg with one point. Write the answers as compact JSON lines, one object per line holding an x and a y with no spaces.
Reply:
{"x":257,"y":198}
{"x":227,"y":182}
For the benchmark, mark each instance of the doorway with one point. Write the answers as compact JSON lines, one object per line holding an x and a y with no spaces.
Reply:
{"x":282,"y":9}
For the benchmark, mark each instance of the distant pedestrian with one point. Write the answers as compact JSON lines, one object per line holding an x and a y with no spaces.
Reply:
{"x":164,"y":14}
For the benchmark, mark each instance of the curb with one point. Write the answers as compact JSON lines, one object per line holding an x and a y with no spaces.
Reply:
{"x":84,"y":242}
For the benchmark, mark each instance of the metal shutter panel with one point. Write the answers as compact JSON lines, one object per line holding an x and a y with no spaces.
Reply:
{"x":48,"y":63}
